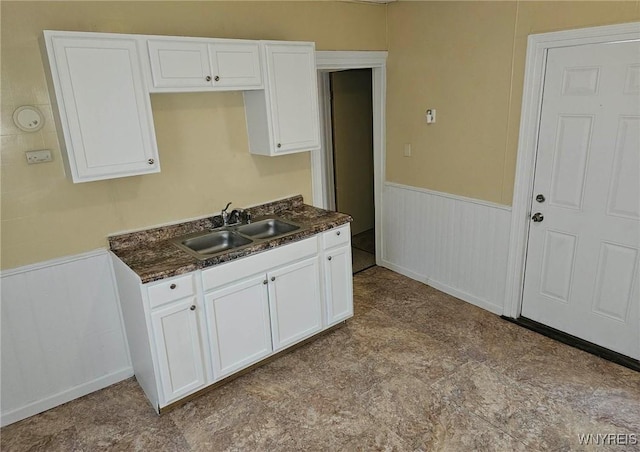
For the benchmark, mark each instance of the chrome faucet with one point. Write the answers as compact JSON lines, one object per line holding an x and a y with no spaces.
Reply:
{"x":225,"y":215}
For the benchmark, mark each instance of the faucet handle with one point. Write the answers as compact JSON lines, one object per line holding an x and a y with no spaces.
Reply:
{"x":225,"y":215}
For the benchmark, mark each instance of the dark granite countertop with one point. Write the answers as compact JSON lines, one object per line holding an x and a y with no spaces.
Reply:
{"x":152,"y":256}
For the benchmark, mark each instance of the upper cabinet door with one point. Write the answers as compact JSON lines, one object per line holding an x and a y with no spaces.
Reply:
{"x":284,"y":118}
{"x":236,"y":65}
{"x":103,"y":106}
{"x":179,"y":63}
{"x":294,"y":96}
{"x":189,"y":64}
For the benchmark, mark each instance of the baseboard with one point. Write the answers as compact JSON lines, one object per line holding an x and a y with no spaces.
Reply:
{"x":469,"y":298}
{"x":576,"y":342}
{"x":65,"y":396}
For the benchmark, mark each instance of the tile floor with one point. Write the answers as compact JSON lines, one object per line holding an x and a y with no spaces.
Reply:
{"x":363,"y":250}
{"x":415,"y":369}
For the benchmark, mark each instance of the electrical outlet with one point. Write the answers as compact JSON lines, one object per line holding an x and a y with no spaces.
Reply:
{"x":41,"y":156}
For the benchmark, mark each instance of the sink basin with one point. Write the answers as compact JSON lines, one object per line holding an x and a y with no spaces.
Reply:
{"x":215,"y":242}
{"x":204,"y":245}
{"x":266,"y":229}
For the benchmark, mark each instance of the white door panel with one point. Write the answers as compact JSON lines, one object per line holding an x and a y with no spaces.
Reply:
{"x":582,"y":259}
{"x":295,"y":302}
{"x":177,"y":338}
{"x":238,"y":322}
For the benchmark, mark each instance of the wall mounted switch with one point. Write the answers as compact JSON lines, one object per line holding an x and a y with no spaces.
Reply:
{"x":431,"y":116}
{"x":41,"y":156}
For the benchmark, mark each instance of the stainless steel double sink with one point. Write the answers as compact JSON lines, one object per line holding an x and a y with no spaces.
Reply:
{"x":204,"y":245}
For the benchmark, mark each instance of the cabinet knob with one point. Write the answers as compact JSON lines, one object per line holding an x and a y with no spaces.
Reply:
{"x":279,"y":145}
{"x":150,"y":161}
{"x":208,"y":78}
{"x":338,"y":233}
{"x":193,"y":307}
{"x":172,"y":286}
{"x":217,"y":78}
{"x":264,"y":282}
{"x":273,"y":278}
{"x":329,"y":258}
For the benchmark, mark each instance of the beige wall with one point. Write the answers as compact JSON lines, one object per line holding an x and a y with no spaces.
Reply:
{"x":201,"y":137}
{"x":353,"y":146}
{"x":466,"y":60}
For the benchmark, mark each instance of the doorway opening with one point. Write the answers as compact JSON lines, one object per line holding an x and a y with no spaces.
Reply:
{"x":350,"y":159}
{"x":322,"y":173}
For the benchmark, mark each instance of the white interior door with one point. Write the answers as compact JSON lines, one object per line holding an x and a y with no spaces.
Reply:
{"x":582,"y":260}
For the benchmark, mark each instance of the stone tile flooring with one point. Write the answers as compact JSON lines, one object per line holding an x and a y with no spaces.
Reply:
{"x":415,"y":369}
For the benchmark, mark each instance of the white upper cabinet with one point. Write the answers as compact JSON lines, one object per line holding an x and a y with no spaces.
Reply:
{"x":103,"y":105}
{"x":190,"y":64}
{"x":236,"y":65}
{"x":284,"y":118}
{"x":101,"y":83}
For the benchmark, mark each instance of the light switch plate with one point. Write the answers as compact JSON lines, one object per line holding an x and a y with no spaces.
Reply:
{"x":41,"y":156}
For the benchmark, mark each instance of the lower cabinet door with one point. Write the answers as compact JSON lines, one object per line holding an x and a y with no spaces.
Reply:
{"x":295,"y":300}
{"x":339,"y":284}
{"x":238,"y":323}
{"x":175,"y":330}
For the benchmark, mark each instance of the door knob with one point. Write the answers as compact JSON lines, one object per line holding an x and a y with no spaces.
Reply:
{"x":537,"y":217}
{"x":540,"y":198}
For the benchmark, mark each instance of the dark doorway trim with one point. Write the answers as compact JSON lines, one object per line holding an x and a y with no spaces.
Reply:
{"x":576,"y":342}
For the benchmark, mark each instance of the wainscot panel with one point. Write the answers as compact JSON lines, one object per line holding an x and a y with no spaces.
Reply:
{"x":62,"y":333}
{"x":457,"y":245}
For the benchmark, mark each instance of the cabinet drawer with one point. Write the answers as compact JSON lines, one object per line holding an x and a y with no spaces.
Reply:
{"x":336,"y":236}
{"x":172,"y":289}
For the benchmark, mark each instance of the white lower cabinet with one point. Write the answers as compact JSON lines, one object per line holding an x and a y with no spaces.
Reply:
{"x":192,"y":330}
{"x":295,"y":301}
{"x":337,"y":271}
{"x":175,"y":330}
{"x":338,"y":284}
{"x":238,"y":324}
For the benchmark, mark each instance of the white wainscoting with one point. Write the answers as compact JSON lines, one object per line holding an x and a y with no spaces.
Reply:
{"x":62,"y":333}
{"x":457,"y":245}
